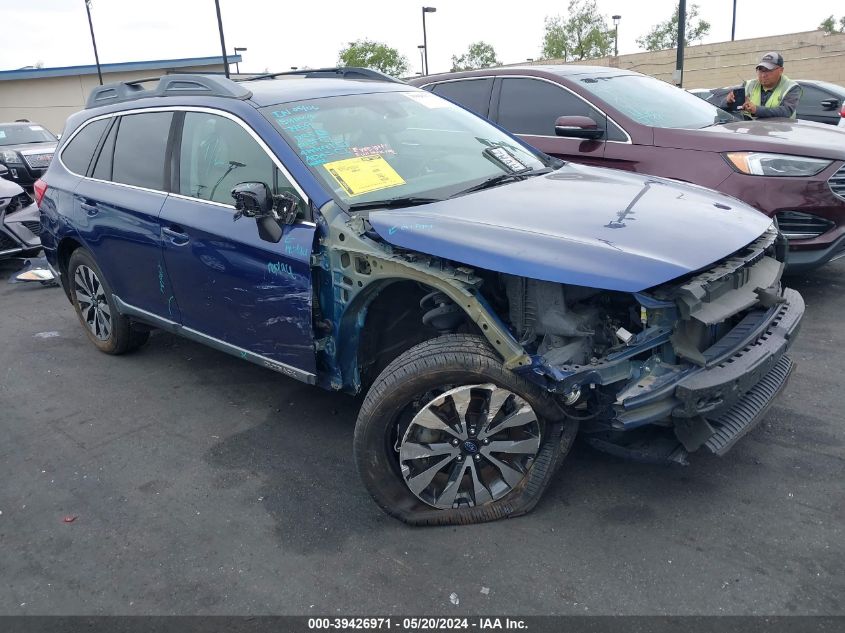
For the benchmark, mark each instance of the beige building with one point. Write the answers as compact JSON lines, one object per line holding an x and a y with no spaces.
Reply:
{"x":810,"y":55}
{"x":49,"y":95}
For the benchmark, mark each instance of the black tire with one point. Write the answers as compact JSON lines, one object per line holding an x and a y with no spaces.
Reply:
{"x":122,"y":336}
{"x":444,"y":363}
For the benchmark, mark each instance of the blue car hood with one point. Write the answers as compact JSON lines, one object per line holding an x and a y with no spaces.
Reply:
{"x":580,"y":225}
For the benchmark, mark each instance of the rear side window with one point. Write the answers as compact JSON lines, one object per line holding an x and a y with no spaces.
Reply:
{"x":217,"y":154}
{"x":531,"y":106}
{"x":811,"y":102}
{"x":473,"y":94}
{"x":141,"y":148}
{"x":79,"y":151}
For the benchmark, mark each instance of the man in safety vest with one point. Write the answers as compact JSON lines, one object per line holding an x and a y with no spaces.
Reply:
{"x":772,"y":94}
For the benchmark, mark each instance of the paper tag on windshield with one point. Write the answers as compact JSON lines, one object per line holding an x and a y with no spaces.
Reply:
{"x":363,"y":174}
{"x":35,"y":128}
{"x":427,"y":99}
{"x":506,"y":159}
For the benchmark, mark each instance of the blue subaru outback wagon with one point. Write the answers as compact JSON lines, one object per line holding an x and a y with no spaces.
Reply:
{"x":367,"y":236}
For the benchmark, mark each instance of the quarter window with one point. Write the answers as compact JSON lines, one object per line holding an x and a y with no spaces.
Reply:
{"x":531,"y":106}
{"x":141,"y":148}
{"x":77,"y":155}
{"x":217,"y":154}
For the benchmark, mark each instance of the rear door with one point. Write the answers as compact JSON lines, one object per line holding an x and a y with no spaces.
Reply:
{"x":811,"y":107}
{"x":251,"y":296}
{"x":117,"y":208}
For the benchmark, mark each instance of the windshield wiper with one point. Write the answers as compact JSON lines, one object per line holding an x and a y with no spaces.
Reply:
{"x":503,"y":178}
{"x":393,"y":203}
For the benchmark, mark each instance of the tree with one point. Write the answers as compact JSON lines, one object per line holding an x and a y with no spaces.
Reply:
{"x":828,"y":25}
{"x":479,"y":55}
{"x":375,"y":55}
{"x":583,"y":34}
{"x":665,"y":34}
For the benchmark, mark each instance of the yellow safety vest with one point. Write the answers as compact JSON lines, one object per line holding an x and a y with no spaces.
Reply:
{"x":754,"y":93}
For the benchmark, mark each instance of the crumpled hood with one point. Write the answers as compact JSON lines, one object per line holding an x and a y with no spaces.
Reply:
{"x":581,"y":225}
{"x":798,"y":138}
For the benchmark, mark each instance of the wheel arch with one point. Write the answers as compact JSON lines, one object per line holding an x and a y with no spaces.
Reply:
{"x":64,"y":250}
{"x":379,"y":324}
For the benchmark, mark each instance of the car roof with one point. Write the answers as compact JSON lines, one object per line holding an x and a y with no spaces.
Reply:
{"x":826,"y":85}
{"x":561,"y":70}
{"x":267,"y":92}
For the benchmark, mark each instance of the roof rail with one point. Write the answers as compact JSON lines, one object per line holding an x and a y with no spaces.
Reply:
{"x":168,"y":85}
{"x":343,"y":72}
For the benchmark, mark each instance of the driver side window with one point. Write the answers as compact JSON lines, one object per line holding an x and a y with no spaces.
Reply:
{"x":216,"y":154}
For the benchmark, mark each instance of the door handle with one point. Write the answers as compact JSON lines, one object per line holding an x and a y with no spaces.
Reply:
{"x":176,"y":237}
{"x":90,"y":209}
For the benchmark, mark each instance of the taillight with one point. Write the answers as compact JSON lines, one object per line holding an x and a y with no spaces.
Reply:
{"x":40,"y":188}
{"x":842,"y":114}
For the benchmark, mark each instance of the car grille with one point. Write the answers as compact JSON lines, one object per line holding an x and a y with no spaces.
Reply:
{"x":33,"y":226}
{"x":38,"y":161}
{"x":837,"y":182}
{"x":796,"y":225}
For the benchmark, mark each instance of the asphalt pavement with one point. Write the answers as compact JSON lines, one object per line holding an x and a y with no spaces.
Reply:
{"x":180,"y":480}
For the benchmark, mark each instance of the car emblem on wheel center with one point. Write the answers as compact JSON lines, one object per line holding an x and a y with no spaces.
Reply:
{"x":470,"y":446}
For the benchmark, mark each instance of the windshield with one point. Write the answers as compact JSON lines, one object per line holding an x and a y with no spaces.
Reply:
{"x":653,"y":102}
{"x":21,"y":134}
{"x":397,"y":145}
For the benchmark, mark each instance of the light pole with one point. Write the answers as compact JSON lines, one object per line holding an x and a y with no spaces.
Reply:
{"x":616,"y":19}
{"x":425,"y":40}
{"x":222,"y":39}
{"x":733,"y":24}
{"x":93,"y":41}
{"x":422,"y":59}
{"x":237,"y":65}
{"x":682,"y":23}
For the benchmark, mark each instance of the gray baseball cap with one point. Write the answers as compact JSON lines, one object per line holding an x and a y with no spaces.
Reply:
{"x":771,"y":61}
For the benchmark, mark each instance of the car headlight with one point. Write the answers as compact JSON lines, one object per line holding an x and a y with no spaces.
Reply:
{"x":759,"y":164}
{"x":11,"y":157}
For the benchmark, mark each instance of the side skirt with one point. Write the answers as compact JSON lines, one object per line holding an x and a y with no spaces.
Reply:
{"x":223,"y":346}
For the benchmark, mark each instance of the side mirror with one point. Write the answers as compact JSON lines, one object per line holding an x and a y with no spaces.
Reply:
{"x":252,"y":199}
{"x":830,"y":104}
{"x":578,"y":127}
{"x":271,"y":213}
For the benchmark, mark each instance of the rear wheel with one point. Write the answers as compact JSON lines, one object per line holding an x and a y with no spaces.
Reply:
{"x":447,"y":435}
{"x":110,"y":331}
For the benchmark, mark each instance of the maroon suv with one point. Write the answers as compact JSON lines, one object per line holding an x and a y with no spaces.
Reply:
{"x":794,"y":170}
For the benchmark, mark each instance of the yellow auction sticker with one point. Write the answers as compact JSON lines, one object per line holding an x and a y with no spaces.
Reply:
{"x":364,"y":174}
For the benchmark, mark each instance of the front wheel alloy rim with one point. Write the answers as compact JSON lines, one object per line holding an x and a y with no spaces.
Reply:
{"x":93,"y":305}
{"x":469,"y":446}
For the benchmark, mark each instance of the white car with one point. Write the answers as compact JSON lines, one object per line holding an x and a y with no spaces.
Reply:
{"x":19,"y":220}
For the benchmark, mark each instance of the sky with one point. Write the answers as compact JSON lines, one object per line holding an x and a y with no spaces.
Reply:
{"x":283,"y":33}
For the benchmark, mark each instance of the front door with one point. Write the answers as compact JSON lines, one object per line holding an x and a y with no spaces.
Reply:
{"x":231,"y":285}
{"x":529,"y":107}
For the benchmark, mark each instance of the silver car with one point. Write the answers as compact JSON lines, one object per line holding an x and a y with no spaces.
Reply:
{"x":19,"y":220}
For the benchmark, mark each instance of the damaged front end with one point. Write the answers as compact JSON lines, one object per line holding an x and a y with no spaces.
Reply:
{"x":655,"y":375}
{"x":651,"y":375}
